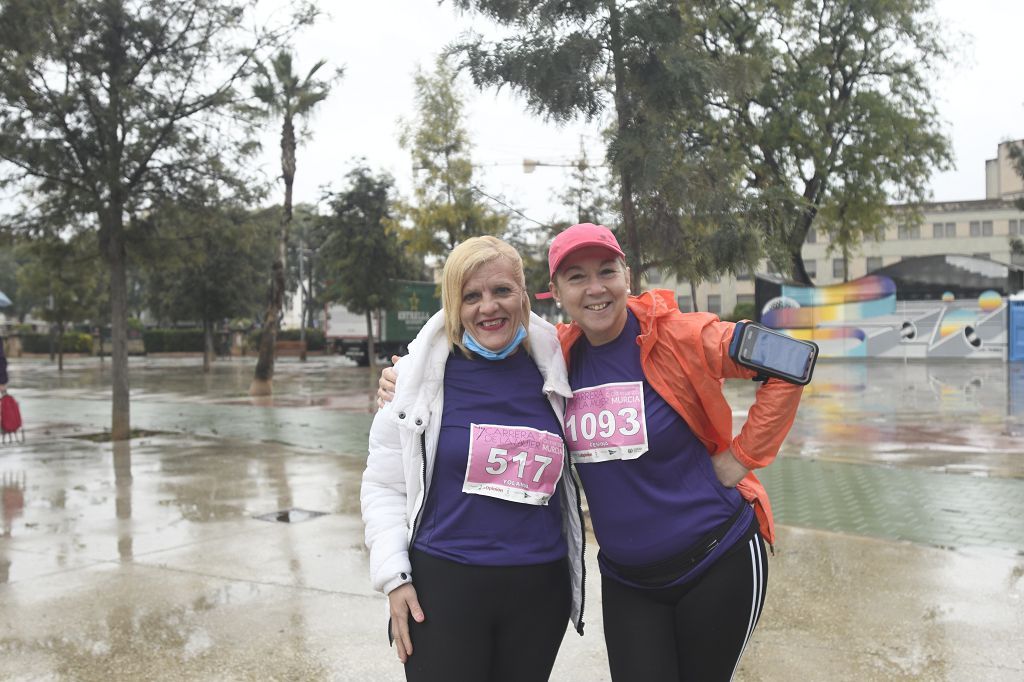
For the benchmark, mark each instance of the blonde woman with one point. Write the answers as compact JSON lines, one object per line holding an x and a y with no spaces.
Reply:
{"x":472,"y":519}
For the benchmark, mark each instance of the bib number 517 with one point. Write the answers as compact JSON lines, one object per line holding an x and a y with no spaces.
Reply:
{"x":498,"y":463}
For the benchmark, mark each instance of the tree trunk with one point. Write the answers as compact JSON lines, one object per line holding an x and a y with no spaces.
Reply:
{"x":693,"y":295}
{"x":303,"y":304}
{"x":264,"y":374}
{"x":310,"y":308}
{"x":624,"y":116}
{"x":60,"y":346}
{"x":371,"y":345}
{"x":796,"y":246}
{"x":262,"y":378}
{"x":120,"y":425}
{"x":207,"y":345}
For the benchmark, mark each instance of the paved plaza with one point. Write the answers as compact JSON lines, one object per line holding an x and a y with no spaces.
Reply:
{"x":899,"y":497}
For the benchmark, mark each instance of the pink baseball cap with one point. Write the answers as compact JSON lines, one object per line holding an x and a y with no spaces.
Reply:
{"x":577,"y":237}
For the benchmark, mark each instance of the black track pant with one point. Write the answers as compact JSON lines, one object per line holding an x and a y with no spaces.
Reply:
{"x":696,"y":631}
{"x":487,"y":623}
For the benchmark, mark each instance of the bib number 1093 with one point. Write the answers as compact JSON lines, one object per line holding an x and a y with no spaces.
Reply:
{"x":606,"y":422}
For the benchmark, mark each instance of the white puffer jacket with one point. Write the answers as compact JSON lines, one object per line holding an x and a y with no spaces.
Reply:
{"x":403,"y":444}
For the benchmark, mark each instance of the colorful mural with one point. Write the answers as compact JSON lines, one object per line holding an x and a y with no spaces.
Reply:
{"x":863,"y":318}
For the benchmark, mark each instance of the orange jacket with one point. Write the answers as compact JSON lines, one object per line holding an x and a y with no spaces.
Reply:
{"x":685,"y":358}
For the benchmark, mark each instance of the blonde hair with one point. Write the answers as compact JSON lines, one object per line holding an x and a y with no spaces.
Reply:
{"x":461,"y":264}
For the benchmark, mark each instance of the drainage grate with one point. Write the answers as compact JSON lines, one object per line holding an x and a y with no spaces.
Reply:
{"x":290,"y":515}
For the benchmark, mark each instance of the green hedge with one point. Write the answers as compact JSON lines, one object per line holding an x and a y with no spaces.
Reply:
{"x":74,"y":342}
{"x":742,"y":311}
{"x":181,"y":341}
{"x":315,"y":340}
{"x":173,"y":340}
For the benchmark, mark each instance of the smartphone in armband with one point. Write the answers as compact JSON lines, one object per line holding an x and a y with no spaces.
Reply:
{"x":772,"y":353}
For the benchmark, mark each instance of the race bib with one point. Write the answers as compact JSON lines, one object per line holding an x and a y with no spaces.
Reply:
{"x":514,"y":463}
{"x":606,"y":422}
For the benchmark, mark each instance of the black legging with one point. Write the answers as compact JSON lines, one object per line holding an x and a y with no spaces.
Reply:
{"x":696,"y":631}
{"x":487,"y":623}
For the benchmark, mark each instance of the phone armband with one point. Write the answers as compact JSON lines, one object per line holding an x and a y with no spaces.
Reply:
{"x":772,"y":353}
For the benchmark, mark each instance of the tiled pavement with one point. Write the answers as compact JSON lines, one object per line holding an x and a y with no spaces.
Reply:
{"x":945,"y":510}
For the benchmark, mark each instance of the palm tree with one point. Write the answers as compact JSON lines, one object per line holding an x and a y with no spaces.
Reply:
{"x":280,"y":92}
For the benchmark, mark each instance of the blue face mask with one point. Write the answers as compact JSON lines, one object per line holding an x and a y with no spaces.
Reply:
{"x":470,"y":343}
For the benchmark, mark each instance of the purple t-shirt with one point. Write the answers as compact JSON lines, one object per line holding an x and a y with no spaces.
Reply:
{"x":663,"y":502}
{"x":475,"y":529}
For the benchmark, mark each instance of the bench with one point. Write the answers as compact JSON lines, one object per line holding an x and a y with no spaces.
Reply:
{"x":295,"y":348}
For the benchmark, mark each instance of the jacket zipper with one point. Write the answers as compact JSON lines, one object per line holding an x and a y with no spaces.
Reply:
{"x":423,"y":486}
{"x":583,"y":547}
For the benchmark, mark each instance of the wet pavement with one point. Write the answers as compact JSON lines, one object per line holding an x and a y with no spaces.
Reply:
{"x":899,"y":495}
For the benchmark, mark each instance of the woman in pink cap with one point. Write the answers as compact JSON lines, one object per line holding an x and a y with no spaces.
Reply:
{"x":679,"y":516}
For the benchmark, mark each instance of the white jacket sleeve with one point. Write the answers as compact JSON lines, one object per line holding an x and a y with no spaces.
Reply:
{"x":384,"y":505}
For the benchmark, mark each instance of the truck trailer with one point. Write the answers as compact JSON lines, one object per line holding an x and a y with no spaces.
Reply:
{"x":393,"y":329}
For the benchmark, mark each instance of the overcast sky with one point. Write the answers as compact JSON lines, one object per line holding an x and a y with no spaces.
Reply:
{"x":381,"y":42}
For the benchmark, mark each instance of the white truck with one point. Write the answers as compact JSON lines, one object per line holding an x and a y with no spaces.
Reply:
{"x":346,"y":331}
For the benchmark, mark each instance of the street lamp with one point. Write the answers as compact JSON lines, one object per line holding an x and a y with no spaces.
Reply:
{"x":530,"y":165}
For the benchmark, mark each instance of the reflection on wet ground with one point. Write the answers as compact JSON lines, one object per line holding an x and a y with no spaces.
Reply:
{"x":121,"y":559}
{"x":871,"y":452}
{"x":874,"y":445}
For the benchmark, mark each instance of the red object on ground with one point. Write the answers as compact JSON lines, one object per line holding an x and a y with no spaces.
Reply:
{"x":10,"y":417}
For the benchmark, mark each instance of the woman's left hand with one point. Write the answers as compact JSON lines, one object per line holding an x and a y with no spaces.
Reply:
{"x":728,"y":469}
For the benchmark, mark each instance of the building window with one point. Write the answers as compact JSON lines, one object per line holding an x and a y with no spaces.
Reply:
{"x":938,"y":230}
{"x":811,"y":266}
{"x":975,"y":228}
{"x":715,"y":304}
{"x":874,"y":263}
{"x":744,"y":299}
{"x":950,"y":230}
{"x":986,"y":228}
{"x":812,"y":236}
{"x":908,"y":232}
{"x":743,"y":276}
{"x":684,"y":304}
{"x":838,"y":268}
{"x":1013,"y":228}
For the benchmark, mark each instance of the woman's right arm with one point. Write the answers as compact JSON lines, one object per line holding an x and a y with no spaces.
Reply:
{"x":384,"y":505}
{"x":383,"y":498}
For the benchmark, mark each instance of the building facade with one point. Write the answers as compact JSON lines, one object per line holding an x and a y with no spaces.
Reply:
{"x":980,"y":228}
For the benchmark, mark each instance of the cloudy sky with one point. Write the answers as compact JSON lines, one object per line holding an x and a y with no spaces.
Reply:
{"x":381,"y":42}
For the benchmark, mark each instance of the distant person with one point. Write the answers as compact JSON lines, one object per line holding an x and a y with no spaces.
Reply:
{"x":680,"y":517}
{"x":3,"y":367}
{"x":472,"y":516}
